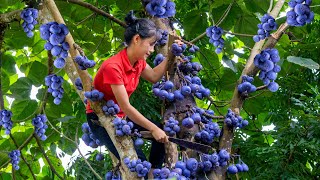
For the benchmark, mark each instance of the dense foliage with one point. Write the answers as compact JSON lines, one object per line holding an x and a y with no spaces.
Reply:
{"x":290,"y":150}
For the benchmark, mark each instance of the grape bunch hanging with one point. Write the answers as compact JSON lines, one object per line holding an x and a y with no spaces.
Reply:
{"x":111,"y":108}
{"x":215,"y":35}
{"x":246,"y":86}
{"x":5,"y":120}
{"x":88,"y":137}
{"x":84,"y":63}
{"x":15,"y":158}
{"x":94,"y":95}
{"x":300,"y":14}
{"x":164,"y":37}
{"x":54,"y":84}
{"x":161,"y":8}
{"x":55,"y":33}
{"x":234,"y":120}
{"x":39,"y":123}
{"x":267,"y":24}
{"x":140,"y":167}
{"x":266,"y":62}
{"x":29,"y":16}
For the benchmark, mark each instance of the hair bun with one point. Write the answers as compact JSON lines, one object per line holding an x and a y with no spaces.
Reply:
{"x":130,"y":18}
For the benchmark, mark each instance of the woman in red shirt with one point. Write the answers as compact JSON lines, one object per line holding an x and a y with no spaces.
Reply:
{"x":119,"y":76}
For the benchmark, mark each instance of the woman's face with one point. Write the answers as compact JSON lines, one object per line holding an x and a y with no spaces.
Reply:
{"x":144,"y":47}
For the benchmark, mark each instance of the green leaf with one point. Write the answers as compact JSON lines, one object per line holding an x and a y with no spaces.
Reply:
{"x":21,"y":109}
{"x":306,"y":62}
{"x":8,"y":64}
{"x":246,"y":24}
{"x":22,"y":88}
{"x":231,"y":64}
{"x":5,"y":81}
{"x":194,"y":23}
{"x":37,"y":73}
{"x":257,"y":5}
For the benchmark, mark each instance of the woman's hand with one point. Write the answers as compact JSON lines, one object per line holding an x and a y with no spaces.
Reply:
{"x":159,"y":135}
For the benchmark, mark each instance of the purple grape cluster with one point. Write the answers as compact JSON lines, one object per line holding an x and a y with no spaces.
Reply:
{"x":235,"y":168}
{"x":158,"y":59}
{"x":138,"y":142}
{"x":99,"y":157}
{"x":300,"y":14}
{"x":111,"y":108}
{"x":54,"y":84}
{"x":166,"y":173}
{"x":163,"y":90}
{"x":234,"y":120}
{"x":140,"y":167}
{"x":29,"y":16}
{"x":122,"y":126}
{"x":39,"y":123}
{"x":211,"y":161}
{"x":206,"y":119}
{"x":268,"y":23}
{"x":94,"y":95}
{"x":110,"y":175}
{"x":161,"y":8}
{"x":88,"y":138}
{"x":5,"y":120}
{"x":178,"y":50}
{"x":193,"y":49}
{"x":188,"y":168}
{"x":207,"y":135}
{"x":190,"y":67}
{"x":84,"y":63}
{"x":266,"y":62}
{"x":15,"y":158}
{"x":171,"y":126}
{"x":164,"y":37}
{"x":246,"y":86}
{"x":78,"y":84}
{"x":215,"y":35}
{"x":55,"y":33}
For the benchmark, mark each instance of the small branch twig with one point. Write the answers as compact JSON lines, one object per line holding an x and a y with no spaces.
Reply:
{"x":270,"y":7}
{"x":225,"y":14}
{"x":97,"y":10}
{"x":10,"y":16}
{"x":86,"y":18}
{"x":46,"y":157}
{"x":77,"y":47}
{"x":238,"y":34}
{"x":16,"y":144}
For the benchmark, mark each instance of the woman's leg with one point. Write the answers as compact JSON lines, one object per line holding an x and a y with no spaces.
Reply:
{"x":100,"y":133}
{"x":105,"y":139}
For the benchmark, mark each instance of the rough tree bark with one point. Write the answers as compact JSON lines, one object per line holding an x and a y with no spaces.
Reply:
{"x":237,"y":101}
{"x":124,"y":145}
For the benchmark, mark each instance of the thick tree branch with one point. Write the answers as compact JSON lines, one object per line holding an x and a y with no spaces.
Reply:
{"x":46,"y":157}
{"x":10,"y":16}
{"x":16,"y":144}
{"x":237,"y":102}
{"x":97,"y":10}
{"x":124,"y":145}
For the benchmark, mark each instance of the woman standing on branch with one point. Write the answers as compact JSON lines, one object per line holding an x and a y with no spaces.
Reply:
{"x":119,"y":76}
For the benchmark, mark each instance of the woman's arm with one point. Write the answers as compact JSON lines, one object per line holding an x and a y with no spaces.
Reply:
{"x":122,"y":98}
{"x":153,"y":75}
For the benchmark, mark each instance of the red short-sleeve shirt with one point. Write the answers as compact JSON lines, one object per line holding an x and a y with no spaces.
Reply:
{"x":117,"y":70}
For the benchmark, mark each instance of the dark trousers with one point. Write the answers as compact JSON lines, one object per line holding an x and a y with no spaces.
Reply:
{"x":157,"y":152}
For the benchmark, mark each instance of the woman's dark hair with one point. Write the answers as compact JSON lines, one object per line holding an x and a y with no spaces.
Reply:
{"x":142,"y":26}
